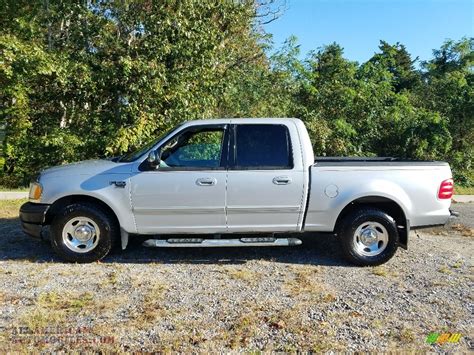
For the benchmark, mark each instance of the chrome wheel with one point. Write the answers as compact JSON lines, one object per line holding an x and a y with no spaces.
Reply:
{"x":370,"y":239}
{"x":81,"y":234}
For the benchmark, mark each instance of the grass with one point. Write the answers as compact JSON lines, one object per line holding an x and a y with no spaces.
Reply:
{"x":464,"y":230}
{"x":246,"y":320}
{"x":307,"y":285}
{"x":151,"y":306}
{"x":51,"y":308}
{"x":59,"y":310}
{"x":65,"y":301}
{"x":246,"y":275}
{"x":294,"y":331}
{"x":242,"y":330}
{"x":458,"y":264}
{"x":40,"y":318}
{"x":18,"y":189}
{"x":381,"y":270}
{"x":445,"y":270}
{"x":57,"y":307}
{"x":303,"y":333}
{"x":112,"y":278}
{"x":9,"y":208}
{"x":405,"y":336}
{"x":304,"y":281}
{"x":464,"y":190}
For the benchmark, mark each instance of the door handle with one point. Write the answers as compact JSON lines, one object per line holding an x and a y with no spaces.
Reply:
{"x":206,"y":181}
{"x":282,"y":180}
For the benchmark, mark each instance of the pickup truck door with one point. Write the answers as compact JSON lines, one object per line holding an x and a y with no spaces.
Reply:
{"x":264,"y":185}
{"x":186,"y":193}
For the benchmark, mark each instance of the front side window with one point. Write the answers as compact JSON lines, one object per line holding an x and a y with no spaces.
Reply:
{"x":134,"y":155}
{"x":262,"y":146}
{"x":194,"y":149}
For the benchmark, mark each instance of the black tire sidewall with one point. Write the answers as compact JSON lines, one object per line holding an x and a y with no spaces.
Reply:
{"x":350,"y":225}
{"x":106,"y":226}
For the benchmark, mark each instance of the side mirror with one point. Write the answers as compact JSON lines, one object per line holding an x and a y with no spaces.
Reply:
{"x":154,"y":158}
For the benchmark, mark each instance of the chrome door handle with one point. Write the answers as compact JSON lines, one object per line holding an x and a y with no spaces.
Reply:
{"x":206,"y":181}
{"x":282,"y":180}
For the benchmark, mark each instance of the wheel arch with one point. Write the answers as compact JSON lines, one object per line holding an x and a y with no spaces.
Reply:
{"x":385,"y":204}
{"x":70,"y":199}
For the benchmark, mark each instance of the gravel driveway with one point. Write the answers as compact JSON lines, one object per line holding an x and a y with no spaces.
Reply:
{"x":281,"y":299}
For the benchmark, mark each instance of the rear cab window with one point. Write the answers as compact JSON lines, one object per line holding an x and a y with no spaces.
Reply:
{"x":262,"y":147}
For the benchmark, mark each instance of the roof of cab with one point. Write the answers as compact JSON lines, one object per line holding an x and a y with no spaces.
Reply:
{"x":242,"y":120}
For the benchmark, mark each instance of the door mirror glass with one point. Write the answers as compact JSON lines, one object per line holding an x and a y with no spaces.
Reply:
{"x":154,"y":158}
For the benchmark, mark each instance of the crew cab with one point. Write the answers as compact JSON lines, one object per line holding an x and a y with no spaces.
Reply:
{"x":236,"y":182}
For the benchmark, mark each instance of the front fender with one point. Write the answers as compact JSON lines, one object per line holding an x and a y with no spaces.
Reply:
{"x":98,"y":187}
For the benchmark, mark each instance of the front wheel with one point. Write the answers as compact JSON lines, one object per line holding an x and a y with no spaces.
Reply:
{"x":368,"y":237}
{"x":83,"y":233}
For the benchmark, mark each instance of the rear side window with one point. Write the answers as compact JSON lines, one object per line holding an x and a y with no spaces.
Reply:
{"x":262,"y":147}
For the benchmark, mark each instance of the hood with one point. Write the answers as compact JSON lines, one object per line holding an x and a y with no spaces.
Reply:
{"x":87,"y":167}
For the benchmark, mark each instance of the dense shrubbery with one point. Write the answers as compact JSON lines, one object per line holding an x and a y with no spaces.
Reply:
{"x":83,"y":80}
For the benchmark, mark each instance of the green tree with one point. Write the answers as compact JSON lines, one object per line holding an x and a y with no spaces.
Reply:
{"x":83,"y":79}
{"x":355,"y":109}
{"x":396,"y":59}
{"x":449,"y":90}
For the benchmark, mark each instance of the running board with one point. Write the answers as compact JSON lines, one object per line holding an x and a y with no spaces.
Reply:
{"x":212,"y":243}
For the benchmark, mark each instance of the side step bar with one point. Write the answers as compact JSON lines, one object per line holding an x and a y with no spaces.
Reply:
{"x":212,"y":243}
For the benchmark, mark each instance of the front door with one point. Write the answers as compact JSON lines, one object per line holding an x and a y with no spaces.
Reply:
{"x":186,"y":193}
{"x":265,"y":186}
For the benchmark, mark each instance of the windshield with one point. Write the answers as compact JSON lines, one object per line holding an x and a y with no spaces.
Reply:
{"x":134,"y":155}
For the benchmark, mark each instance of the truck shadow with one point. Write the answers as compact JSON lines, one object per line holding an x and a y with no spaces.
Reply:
{"x":317,"y":249}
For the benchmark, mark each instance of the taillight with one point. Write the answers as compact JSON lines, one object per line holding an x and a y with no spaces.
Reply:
{"x":446,"y":189}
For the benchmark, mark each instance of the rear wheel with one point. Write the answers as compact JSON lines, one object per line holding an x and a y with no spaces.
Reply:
{"x":83,"y":233}
{"x":368,"y":237}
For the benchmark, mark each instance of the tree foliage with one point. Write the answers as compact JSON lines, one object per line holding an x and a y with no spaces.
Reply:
{"x":101,"y":77}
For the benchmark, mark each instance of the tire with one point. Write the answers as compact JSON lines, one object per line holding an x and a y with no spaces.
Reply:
{"x":83,"y":233}
{"x":368,"y":236}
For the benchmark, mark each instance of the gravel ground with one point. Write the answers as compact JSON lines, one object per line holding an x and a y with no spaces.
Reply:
{"x":466,"y":213}
{"x":282,"y":299}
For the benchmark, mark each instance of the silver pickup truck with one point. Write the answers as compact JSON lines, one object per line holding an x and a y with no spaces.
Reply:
{"x":236,"y":182}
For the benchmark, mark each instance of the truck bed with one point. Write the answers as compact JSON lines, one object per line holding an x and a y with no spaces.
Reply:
{"x":412,"y":185}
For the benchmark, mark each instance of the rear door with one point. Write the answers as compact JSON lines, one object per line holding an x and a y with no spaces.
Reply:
{"x":265,"y":181}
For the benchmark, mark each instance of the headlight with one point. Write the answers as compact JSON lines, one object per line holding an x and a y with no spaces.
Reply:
{"x":35,"y":191}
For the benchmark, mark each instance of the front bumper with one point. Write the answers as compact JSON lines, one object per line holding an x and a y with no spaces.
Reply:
{"x":33,"y":217}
